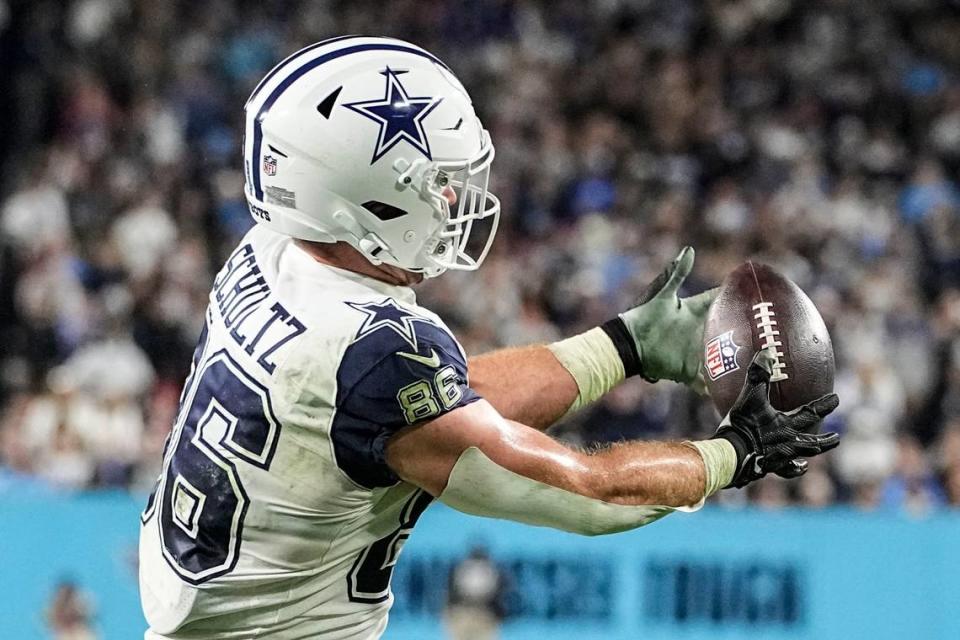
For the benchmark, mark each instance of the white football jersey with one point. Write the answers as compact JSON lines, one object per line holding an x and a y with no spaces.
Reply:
{"x":275,"y":515}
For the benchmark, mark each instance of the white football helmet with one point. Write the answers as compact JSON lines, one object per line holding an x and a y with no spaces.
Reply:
{"x":356,"y":139}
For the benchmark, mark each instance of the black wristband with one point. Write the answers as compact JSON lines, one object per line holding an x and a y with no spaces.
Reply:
{"x":741,"y":446}
{"x":626,"y":347}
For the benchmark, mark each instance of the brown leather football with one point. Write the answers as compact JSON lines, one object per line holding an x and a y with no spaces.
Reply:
{"x":757,"y":307}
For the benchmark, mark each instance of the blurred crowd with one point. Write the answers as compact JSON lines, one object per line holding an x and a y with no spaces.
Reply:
{"x":821,"y":136}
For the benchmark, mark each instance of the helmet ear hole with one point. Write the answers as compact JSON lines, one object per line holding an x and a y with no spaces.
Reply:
{"x":383,"y":211}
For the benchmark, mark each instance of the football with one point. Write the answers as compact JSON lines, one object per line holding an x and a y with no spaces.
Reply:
{"x":757,"y":307}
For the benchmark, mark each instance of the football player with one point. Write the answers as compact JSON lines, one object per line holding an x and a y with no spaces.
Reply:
{"x":326,"y":409}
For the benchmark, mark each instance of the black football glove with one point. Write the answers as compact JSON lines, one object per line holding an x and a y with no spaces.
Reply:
{"x":767,"y":440}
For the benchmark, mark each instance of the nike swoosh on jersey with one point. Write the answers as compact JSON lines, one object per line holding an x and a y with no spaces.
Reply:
{"x":433,"y":361}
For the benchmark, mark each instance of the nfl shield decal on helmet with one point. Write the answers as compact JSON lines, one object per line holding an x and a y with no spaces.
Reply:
{"x":270,"y":165}
{"x":720,"y":355}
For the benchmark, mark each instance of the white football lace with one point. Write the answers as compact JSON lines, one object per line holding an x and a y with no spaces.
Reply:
{"x":767,"y":324}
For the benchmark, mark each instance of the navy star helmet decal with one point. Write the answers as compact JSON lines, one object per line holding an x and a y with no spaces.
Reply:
{"x":390,"y":315}
{"x":400,"y":116}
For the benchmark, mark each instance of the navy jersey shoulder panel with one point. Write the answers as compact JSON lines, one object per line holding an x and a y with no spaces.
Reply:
{"x":392,"y":375}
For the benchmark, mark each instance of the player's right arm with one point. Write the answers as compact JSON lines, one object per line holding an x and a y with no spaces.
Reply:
{"x":631,"y":473}
{"x":476,"y":461}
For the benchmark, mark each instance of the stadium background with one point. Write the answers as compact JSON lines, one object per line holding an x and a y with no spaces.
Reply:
{"x":822,"y":136}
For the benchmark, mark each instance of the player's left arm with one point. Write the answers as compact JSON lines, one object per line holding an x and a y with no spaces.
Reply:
{"x":660,"y":338}
{"x":525,"y":384}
